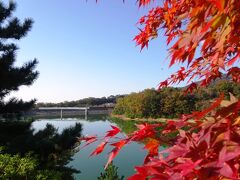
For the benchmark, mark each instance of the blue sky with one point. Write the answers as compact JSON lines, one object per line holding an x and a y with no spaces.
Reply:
{"x":86,"y":50}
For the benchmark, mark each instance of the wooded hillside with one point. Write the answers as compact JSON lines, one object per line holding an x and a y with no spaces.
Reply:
{"x":170,"y":102}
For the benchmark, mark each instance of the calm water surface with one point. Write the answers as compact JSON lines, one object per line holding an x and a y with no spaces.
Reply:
{"x":91,"y":167}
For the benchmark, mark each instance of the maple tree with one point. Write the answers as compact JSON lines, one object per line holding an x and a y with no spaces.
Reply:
{"x":204,"y":38}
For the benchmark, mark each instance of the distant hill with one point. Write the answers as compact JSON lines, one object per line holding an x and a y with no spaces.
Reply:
{"x":91,"y":101}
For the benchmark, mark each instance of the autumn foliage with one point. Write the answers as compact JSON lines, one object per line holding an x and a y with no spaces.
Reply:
{"x":209,"y":27}
{"x":203,"y":36}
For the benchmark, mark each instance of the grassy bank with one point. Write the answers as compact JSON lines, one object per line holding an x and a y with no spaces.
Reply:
{"x":123,"y":117}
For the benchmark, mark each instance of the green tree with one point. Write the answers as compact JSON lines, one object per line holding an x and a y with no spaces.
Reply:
{"x":120,"y":106}
{"x":151,"y":103}
{"x":111,"y":173}
{"x":12,"y":77}
{"x":52,"y":149}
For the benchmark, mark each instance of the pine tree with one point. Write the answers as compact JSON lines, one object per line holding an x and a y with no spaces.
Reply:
{"x":12,"y":77}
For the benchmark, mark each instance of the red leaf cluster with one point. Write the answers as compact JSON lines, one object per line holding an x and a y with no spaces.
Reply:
{"x":209,"y":27}
{"x":205,"y":147}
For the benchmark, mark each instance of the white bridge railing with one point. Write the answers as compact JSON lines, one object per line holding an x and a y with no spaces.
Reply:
{"x":65,"y":108}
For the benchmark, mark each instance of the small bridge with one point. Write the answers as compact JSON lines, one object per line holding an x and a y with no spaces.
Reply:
{"x":61,"y":109}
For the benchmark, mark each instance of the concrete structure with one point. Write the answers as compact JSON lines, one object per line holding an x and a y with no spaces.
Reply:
{"x":61,"y":109}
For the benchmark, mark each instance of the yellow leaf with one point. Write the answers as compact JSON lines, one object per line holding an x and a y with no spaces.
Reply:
{"x":237,"y":121}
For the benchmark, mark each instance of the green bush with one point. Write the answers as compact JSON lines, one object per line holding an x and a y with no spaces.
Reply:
{"x":16,"y":167}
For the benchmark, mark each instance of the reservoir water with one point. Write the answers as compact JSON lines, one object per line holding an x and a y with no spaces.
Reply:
{"x":91,"y":167}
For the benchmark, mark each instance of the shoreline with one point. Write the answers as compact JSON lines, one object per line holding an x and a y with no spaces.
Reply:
{"x":124,"y":118}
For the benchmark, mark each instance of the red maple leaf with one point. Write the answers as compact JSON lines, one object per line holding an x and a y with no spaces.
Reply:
{"x":99,"y":149}
{"x":115,"y":130}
